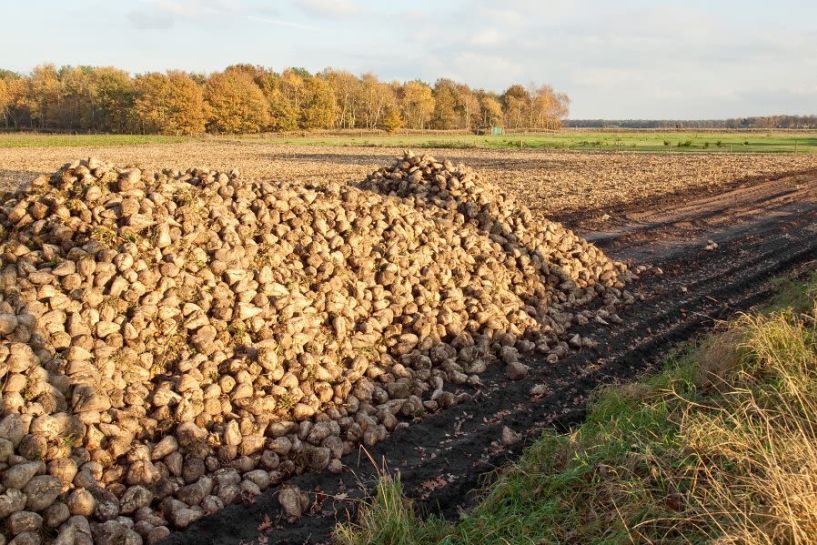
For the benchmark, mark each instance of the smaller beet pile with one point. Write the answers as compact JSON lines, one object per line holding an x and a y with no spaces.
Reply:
{"x":172,"y":342}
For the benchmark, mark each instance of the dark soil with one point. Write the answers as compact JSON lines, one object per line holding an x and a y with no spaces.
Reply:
{"x":763,"y":228}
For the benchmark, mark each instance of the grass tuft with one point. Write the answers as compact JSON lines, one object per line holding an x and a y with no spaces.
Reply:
{"x":390,"y":518}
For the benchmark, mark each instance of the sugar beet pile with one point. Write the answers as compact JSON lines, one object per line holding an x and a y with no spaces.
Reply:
{"x":176,"y":341}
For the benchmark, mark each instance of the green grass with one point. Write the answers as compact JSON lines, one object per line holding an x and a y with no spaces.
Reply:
{"x":35,"y":140}
{"x":578,"y":140}
{"x":717,"y":448}
{"x":644,"y":141}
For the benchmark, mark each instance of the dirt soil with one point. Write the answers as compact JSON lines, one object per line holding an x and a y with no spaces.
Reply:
{"x":755,"y":230}
{"x":551,"y":183}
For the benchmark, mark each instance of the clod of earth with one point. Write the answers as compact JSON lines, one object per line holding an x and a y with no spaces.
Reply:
{"x":173,"y":342}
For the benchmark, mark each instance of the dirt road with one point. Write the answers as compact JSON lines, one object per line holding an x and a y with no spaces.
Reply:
{"x":754,"y":231}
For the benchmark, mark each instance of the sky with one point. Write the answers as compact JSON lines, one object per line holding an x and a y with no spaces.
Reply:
{"x":623,"y":59}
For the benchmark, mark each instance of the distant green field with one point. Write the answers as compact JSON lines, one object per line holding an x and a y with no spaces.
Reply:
{"x":26,"y":140}
{"x":585,"y":140}
{"x":647,"y":141}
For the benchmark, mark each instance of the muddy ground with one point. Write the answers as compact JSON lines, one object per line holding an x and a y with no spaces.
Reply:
{"x":755,"y":230}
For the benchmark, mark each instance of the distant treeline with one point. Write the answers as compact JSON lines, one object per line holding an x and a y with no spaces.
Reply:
{"x":762,"y":122}
{"x":249,"y":99}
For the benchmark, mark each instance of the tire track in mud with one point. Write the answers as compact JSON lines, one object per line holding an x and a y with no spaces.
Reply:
{"x":763,"y":229}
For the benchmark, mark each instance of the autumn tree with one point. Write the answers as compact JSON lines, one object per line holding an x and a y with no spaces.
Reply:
{"x":266,"y":80}
{"x":416,"y":104}
{"x":285,"y":99}
{"x":516,"y":105}
{"x":170,"y":103}
{"x":392,"y":122}
{"x":376,"y":99}
{"x":468,"y":108}
{"x":237,"y":104}
{"x":490,"y":111}
{"x":282,"y":113}
{"x":5,"y":100}
{"x":291,"y":83}
{"x":445,"y":105}
{"x":115,"y":93}
{"x":249,"y":98}
{"x":561,"y":109}
{"x":78,"y":95}
{"x":347,"y":89}
{"x":15,"y":90}
{"x":317,"y":104}
{"x":44,"y":96}
{"x":247,"y":70}
{"x":547,"y":108}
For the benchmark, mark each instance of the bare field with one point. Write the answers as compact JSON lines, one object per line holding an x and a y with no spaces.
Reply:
{"x":67,"y":238}
{"x":550,"y":182}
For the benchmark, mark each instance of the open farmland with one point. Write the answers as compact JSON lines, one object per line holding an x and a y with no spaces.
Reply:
{"x":219,"y":342}
{"x":551,"y":182}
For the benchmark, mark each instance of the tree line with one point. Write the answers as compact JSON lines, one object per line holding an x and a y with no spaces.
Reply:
{"x":250,"y":99}
{"x":757,"y":122}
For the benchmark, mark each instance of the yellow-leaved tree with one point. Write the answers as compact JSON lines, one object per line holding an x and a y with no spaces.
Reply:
{"x":5,"y":100}
{"x":14,"y":105}
{"x":417,"y":104}
{"x":346,"y":87}
{"x":115,"y":95}
{"x":284,"y":99}
{"x":392,"y":122}
{"x":376,"y":99}
{"x":490,"y":110}
{"x":170,"y":103}
{"x":237,"y":104}
{"x":44,"y":97}
{"x":445,"y":105}
{"x":318,"y":105}
{"x":516,"y":101}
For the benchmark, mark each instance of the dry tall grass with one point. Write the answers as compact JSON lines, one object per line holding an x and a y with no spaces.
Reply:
{"x":756,"y":444}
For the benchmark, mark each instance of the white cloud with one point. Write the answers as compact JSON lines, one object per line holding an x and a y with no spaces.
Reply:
{"x":194,"y":9}
{"x":488,"y":36}
{"x":280,"y":22}
{"x":329,"y":8}
{"x":628,"y":59}
{"x":161,"y":14}
{"x":150,"y":20}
